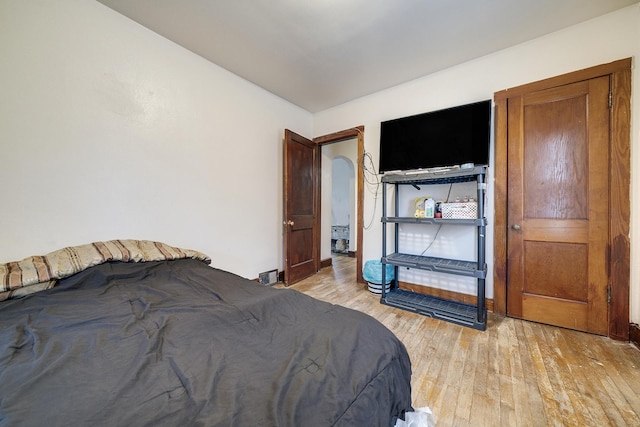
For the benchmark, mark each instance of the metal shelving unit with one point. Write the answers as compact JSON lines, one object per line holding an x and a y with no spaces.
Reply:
{"x":451,"y":311}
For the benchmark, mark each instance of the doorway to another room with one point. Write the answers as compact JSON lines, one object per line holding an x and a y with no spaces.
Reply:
{"x":348,"y":146}
{"x":342,"y":203}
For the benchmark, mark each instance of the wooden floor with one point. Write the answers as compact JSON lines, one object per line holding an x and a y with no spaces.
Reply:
{"x":516,"y":373}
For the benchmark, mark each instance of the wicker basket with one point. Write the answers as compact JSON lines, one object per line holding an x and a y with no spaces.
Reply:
{"x":465,"y":210}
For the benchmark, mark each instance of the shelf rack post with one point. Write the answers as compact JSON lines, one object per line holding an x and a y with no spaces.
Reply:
{"x":384,"y":241}
{"x":482,"y":230}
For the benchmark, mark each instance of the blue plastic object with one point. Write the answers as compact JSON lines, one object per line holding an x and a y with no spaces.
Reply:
{"x":372,"y":272}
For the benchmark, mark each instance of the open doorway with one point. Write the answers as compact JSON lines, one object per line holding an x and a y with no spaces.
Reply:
{"x":339,"y":199}
{"x":347,"y":144}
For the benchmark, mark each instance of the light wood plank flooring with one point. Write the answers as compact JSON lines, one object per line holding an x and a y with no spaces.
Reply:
{"x":516,"y":373}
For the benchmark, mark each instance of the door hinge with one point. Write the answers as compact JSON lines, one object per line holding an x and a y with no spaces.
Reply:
{"x":608,"y":294}
{"x":610,"y":100}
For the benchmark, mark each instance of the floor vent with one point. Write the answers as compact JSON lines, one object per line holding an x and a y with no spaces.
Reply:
{"x":268,"y":278}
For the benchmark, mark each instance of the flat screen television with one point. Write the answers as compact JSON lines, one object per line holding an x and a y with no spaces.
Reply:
{"x":442,"y":138}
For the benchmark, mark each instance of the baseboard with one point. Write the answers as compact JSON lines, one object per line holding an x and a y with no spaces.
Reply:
{"x":444,"y":294}
{"x":634,"y":334}
{"x":326,"y":263}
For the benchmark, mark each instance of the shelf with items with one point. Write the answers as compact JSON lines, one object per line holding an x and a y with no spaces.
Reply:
{"x":464,"y":314}
{"x":447,"y":176}
{"x":442,"y":221}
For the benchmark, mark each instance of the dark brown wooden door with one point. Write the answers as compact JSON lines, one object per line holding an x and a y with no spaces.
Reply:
{"x":300,"y":208}
{"x":558,"y":198}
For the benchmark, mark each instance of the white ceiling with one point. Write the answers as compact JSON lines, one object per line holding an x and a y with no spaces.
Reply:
{"x":321,"y":53}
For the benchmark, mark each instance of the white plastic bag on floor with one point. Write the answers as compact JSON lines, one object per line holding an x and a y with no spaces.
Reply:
{"x":421,"y":417}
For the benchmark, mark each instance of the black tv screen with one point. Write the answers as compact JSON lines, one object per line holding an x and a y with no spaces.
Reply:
{"x":448,"y":137}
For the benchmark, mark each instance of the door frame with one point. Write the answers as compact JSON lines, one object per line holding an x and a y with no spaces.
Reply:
{"x":619,"y":73}
{"x":332,"y":138}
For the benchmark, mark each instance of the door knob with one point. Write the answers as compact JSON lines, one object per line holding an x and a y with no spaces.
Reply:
{"x":288,"y":222}
{"x":516,"y":227}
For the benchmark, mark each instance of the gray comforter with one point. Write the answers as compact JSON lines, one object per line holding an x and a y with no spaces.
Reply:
{"x":179,"y":343}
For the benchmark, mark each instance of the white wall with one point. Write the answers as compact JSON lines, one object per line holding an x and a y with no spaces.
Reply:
{"x":108,"y":131}
{"x":601,"y":40}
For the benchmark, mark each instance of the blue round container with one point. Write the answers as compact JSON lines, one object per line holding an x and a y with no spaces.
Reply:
{"x":372,"y":272}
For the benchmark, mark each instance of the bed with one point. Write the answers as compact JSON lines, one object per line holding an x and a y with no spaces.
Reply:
{"x":140,"y":333}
